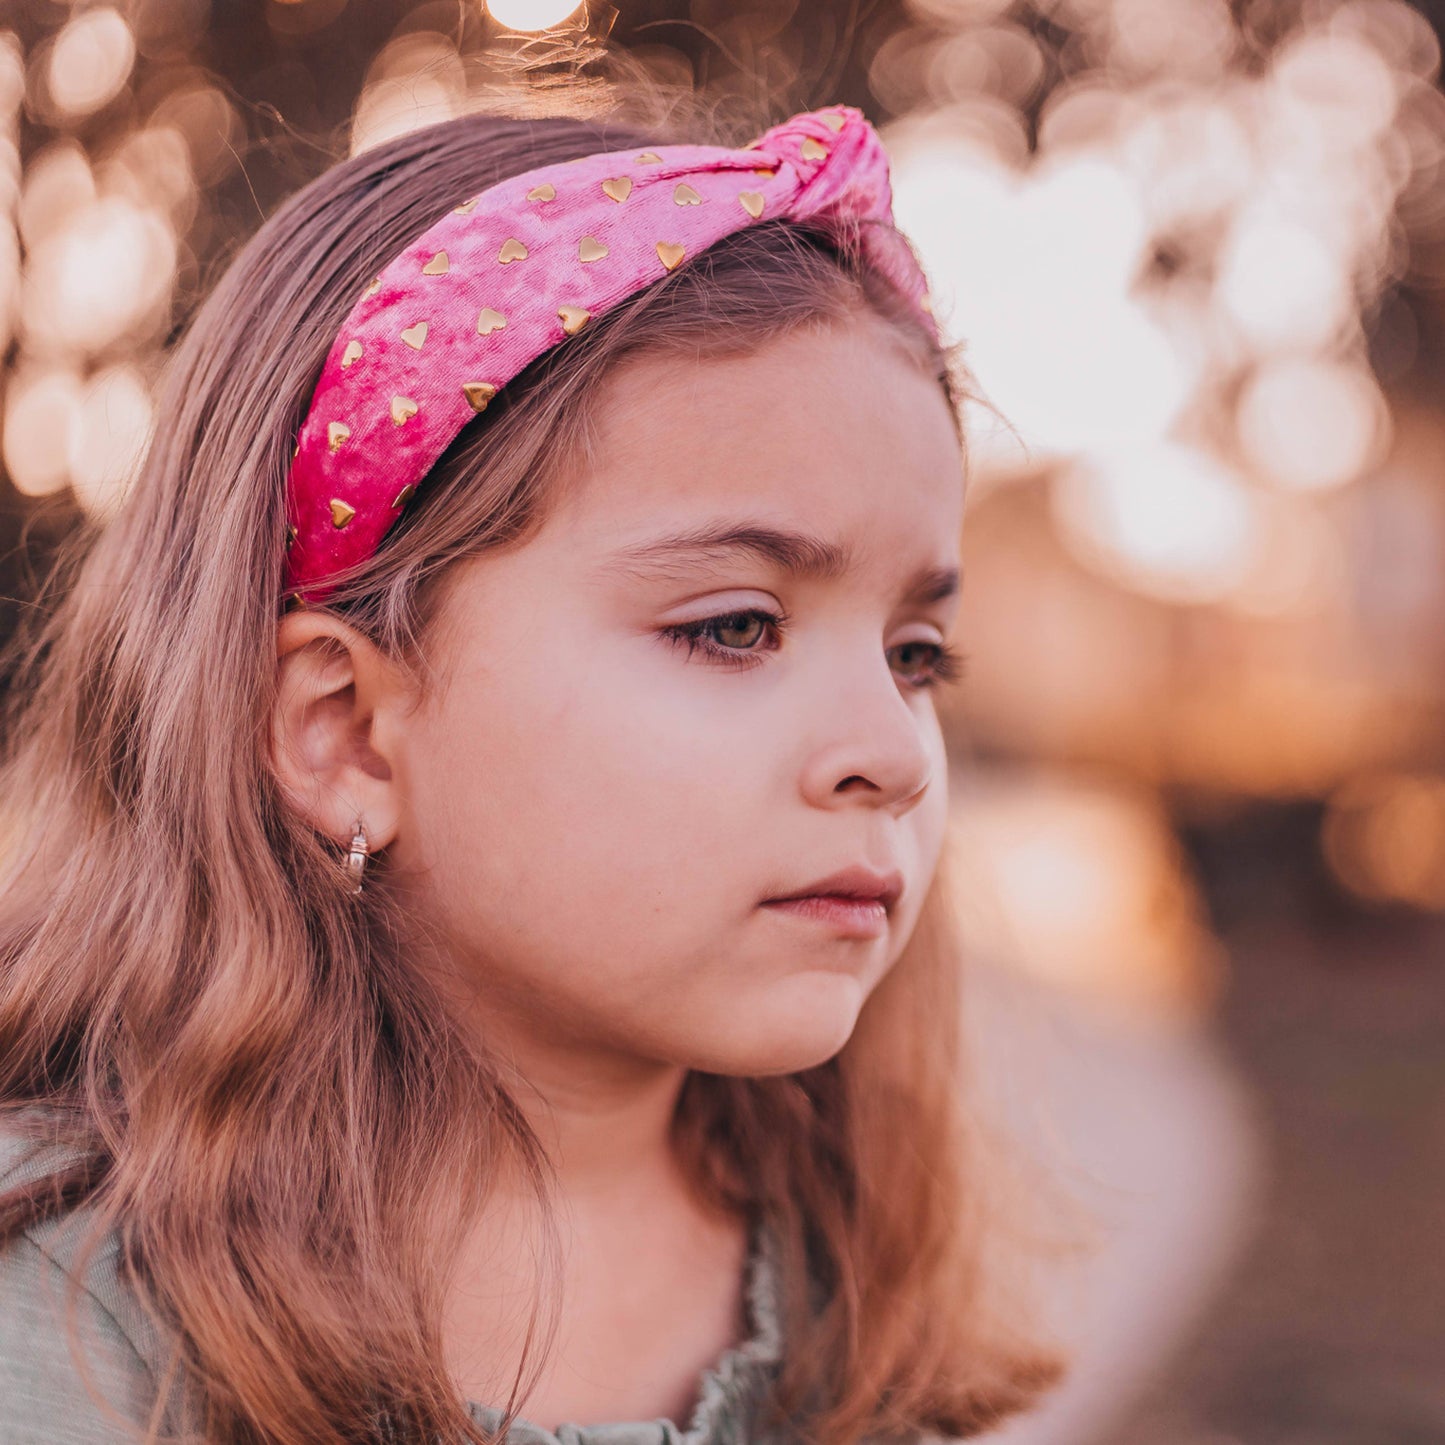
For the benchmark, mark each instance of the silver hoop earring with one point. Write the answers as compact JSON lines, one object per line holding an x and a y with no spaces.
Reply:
{"x":356,"y":861}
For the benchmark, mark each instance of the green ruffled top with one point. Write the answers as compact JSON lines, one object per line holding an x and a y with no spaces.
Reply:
{"x":730,"y":1391}
{"x":44,"y":1397}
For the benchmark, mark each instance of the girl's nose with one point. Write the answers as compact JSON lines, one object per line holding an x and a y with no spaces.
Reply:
{"x":871,"y":744}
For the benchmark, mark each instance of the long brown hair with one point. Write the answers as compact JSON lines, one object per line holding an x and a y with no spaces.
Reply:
{"x":262,"y":1094}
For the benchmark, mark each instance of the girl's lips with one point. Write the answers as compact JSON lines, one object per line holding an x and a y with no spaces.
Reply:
{"x":857,"y":880}
{"x":850,"y":917}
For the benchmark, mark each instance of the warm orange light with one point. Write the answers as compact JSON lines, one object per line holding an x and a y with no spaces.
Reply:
{"x":1332,"y":87}
{"x":1166,"y":520}
{"x":57,"y":183}
{"x":151,"y":168}
{"x":1384,"y":838}
{"x":107,"y":274}
{"x":1311,"y":424}
{"x":1300,"y":567}
{"x":531,"y":14}
{"x":108,"y":435}
{"x":41,"y":405}
{"x":1082,"y":885}
{"x":12,"y":74}
{"x":1196,"y":37}
{"x":91,"y":61}
{"x":416,"y":80}
{"x":208,"y":121}
{"x":1037,"y":271}
{"x":1281,"y":283}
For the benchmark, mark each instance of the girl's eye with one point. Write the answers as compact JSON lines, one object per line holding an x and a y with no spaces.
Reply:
{"x":948,"y":663}
{"x":731,"y":638}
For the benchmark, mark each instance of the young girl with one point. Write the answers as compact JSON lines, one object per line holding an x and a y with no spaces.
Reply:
{"x":470,"y":958}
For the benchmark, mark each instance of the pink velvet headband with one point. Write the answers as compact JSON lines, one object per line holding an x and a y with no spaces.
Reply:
{"x":509,"y":273}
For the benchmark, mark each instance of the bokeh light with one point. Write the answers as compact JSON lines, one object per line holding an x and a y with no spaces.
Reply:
{"x":1195,"y":37}
{"x":1384,"y":838}
{"x":1035,"y":271}
{"x":1280,"y":284}
{"x":416,"y":80}
{"x":1310,"y":424}
{"x":90,"y":61}
{"x":531,"y":14}
{"x":1081,"y":884}
{"x":1170,"y":519}
{"x":104,"y":277}
{"x":109,"y":429}
{"x":12,"y":74}
{"x":41,"y":405}
{"x":58,"y":182}
{"x":213,"y":131}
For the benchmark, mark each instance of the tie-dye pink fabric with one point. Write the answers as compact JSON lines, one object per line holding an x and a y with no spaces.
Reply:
{"x":450,"y":320}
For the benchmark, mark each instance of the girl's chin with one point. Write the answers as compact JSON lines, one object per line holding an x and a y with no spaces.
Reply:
{"x":788,"y":1035}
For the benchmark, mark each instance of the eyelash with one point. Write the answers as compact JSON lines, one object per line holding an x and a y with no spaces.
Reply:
{"x":949,"y":664}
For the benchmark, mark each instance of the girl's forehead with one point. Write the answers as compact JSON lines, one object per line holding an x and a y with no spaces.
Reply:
{"x":801,"y":427}
{"x":846,"y":356}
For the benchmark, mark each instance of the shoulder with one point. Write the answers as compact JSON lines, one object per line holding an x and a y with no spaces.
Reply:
{"x":55,"y":1306}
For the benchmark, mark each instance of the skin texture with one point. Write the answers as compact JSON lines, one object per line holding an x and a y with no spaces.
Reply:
{"x":591,"y":818}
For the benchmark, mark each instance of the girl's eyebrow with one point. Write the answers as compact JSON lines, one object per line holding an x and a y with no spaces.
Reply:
{"x":800,"y":554}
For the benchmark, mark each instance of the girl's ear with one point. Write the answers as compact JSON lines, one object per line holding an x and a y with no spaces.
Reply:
{"x":336,"y":728}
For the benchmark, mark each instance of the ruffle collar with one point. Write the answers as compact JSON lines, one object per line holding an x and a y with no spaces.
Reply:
{"x":729,"y":1390}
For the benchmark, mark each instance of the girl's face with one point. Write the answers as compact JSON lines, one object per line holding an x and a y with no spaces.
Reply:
{"x":594,"y":814}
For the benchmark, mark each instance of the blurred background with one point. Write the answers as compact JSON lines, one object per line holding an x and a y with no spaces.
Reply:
{"x":1196,"y":249}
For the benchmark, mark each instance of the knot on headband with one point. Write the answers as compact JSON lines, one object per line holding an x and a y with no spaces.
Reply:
{"x":509,"y":273}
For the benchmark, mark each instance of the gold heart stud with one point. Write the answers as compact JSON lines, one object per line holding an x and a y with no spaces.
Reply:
{"x":402,"y":407}
{"x":618,"y":187}
{"x":336,"y":433}
{"x":341,"y":514}
{"x":836,"y":121}
{"x":574,"y":318}
{"x":373,"y":286}
{"x":415,"y":335}
{"x":512,"y":250}
{"x":290,"y":535}
{"x":545,"y":192}
{"x":405,"y":495}
{"x":489,"y":321}
{"x":352,"y":353}
{"x":684,"y":195}
{"x":649,"y":158}
{"x":752,"y":202}
{"x":437,"y":266}
{"x":478,"y":393}
{"x":466,"y":207}
{"x":590,"y":249}
{"x":669,"y":254}
{"x":812,"y":150}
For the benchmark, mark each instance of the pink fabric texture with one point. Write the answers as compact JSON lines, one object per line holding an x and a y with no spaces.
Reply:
{"x":510,"y":273}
